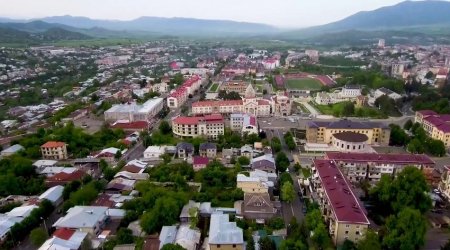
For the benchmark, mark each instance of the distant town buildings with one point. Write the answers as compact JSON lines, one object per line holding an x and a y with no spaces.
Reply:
{"x":133,"y":112}
{"x":179,"y":96}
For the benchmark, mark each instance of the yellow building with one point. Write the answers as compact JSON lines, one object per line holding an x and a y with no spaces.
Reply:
{"x":322,"y":131}
{"x":342,"y":210}
{"x":54,"y":150}
{"x":435,"y":125}
{"x":223,"y":234}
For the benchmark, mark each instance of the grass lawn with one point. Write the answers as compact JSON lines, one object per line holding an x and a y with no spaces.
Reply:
{"x":336,"y":110}
{"x":304,"y":84}
{"x":259,"y":88}
{"x":214,"y":87}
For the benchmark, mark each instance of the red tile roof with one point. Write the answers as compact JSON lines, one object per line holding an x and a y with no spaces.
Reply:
{"x":64,"y":233}
{"x":427,"y":112}
{"x":53,"y":144}
{"x":199,"y":160}
{"x":130,"y":125}
{"x":66,"y":177}
{"x":403,"y":159}
{"x":217,"y":103}
{"x":344,"y":203}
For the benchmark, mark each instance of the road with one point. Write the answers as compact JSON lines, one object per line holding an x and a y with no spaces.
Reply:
{"x":293,"y":209}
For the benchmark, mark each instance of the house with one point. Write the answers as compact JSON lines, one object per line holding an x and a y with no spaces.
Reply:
{"x":87,"y":219}
{"x":224,"y":234}
{"x":135,"y":166}
{"x":247,"y":151}
{"x":384,"y":91}
{"x":185,"y":215}
{"x":16,"y":215}
{"x":11,"y":150}
{"x":41,"y":164}
{"x":185,"y":150}
{"x":184,"y":236}
{"x":210,"y":126}
{"x":64,"y":238}
{"x":444,"y":185}
{"x":251,"y":184}
{"x":153,"y":152}
{"x":64,"y":178}
{"x":54,"y":150}
{"x":258,"y":206}
{"x":89,"y":165}
{"x":109,"y":154}
{"x":200,"y":162}
{"x":208,"y":150}
{"x":265,"y":163}
{"x":119,"y":185}
{"x":228,"y":154}
{"x":132,"y":176}
{"x":54,"y":195}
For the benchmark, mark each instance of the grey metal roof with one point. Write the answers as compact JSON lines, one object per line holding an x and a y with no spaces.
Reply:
{"x":82,"y":217}
{"x":222,"y":231}
{"x":167,"y":235}
{"x":207,"y":145}
{"x":186,"y":146}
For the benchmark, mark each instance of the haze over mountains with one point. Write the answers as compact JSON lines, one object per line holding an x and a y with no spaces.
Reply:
{"x":405,"y":15}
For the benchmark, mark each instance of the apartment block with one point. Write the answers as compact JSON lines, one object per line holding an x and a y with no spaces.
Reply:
{"x":54,"y":150}
{"x":210,"y":126}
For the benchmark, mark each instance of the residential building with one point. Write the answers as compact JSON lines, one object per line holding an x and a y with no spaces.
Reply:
{"x":381,"y":43}
{"x":223,"y":234}
{"x":153,"y":152}
{"x":88,"y":219}
{"x":384,"y":91}
{"x":185,"y":215}
{"x":161,"y":88}
{"x":135,"y":166}
{"x":54,"y":195}
{"x":312,"y":54}
{"x":208,"y":149}
{"x":62,"y":178}
{"x":199,"y":162}
{"x":54,"y":150}
{"x":322,"y":131}
{"x":397,"y":69}
{"x":244,"y":123}
{"x":247,"y":151}
{"x":184,"y":236}
{"x":371,"y":166}
{"x":179,"y":96}
{"x":264,"y":163}
{"x":271,"y":63}
{"x":251,"y":184}
{"x":108,"y":154}
{"x":344,"y":216}
{"x":185,"y":150}
{"x":119,"y":185}
{"x":258,"y":206}
{"x":9,"y":219}
{"x":210,"y":126}
{"x":436,"y":126}
{"x":134,"y":112}
{"x":64,"y":238}
{"x":14,"y":149}
{"x":444,"y":185}
{"x":362,"y":101}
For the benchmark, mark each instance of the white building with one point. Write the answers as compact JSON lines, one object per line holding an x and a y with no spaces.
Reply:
{"x":350,"y":91}
{"x":153,"y":152}
{"x":135,"y":112}
{"x":384,"y":91}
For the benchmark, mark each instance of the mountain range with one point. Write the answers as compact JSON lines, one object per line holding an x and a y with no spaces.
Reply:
{"x":411,"y":17}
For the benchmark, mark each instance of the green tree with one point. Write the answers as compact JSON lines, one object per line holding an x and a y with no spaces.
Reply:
{"x":164,"y":127}
{"x":371,"y":241}
{"x":320,"y":236}
{"x":406,"y":230}
{"x":243,"y":160}
{"x":287,"y":192}
{"x":292,"y":244}
{"x":118,"y":154}
{"x":171,"y":246}
{"x":124,"y":236}
{"x":38,"y":236}
{"x":266,"y":243}
{"x":348,"y":245}
{"x":281,"y":162}
{"x":86,"y":244}
{"x":193,"y":217}
{"x":348,"y":109}
{"x":408,"y":125}
{"x":276,"y":223}
{"x":415,"y":146}
{"x":398,"y":136}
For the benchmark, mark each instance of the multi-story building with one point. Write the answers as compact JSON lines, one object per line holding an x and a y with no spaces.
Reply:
{"x":251,"y":184}
{"x":236,"y":86}
{"x":322,"y":131}
{"x":210,"y":126}
{"x":371,"y":166}
{"x":244,"y":123}
{"x":54,"y":150}
{"x":180,"y":95}
{"x":444,"y":185}
{"x":135,"y":112}
{"x":281,"y":104}
{"x":350,"y":91}
{"x":342,"y":210}
{"x":435,"y":125}
{"x":223,"y":234}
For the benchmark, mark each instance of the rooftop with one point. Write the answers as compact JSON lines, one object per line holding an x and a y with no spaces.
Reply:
{"x":349,"y":136}
{"x":403,"y":159}
{"x":53,"y":144}
{"x":222,"y":231}
{"x":344,"y":203}
{"x":346,"y":124}
{"x":82,"y":217}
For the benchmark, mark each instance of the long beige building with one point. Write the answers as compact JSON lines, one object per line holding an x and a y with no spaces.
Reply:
{"x":435,"y":125}
{"x":322,"y":131}
{"x":342,"y":210}
{"x":210,"y":126}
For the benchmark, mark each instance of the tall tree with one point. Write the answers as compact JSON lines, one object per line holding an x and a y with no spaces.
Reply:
{"x":38,"y":236}
{"x":287,"y":192}
{"x":164,"y":127}
{"x":265,"y":243}
{"x":405,"y":231}
{"x":371,"y":241}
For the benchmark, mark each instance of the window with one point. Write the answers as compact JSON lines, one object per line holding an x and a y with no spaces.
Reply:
{"x":234,"y":245}
{"x":347,"y":225}
{"x":346,"y":232}
{"x":218,"y":245}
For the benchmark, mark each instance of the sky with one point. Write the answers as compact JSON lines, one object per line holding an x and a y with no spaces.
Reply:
{"x":280,"y":13}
